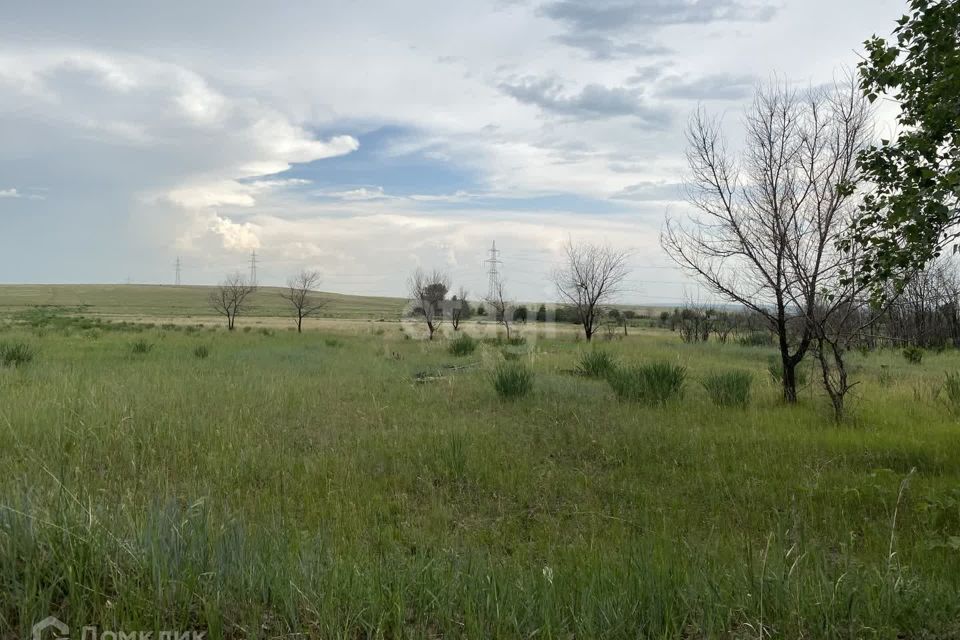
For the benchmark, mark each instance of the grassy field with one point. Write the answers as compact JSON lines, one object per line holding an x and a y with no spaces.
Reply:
{"x":360,"y":484}
{"x":141,"y":302}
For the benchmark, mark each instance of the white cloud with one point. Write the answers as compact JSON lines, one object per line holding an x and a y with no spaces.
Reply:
{"x":15,"y":193}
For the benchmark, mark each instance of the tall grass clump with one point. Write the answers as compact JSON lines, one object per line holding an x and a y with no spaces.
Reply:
{"x":201,"y":351}
{"x":140,"y":347}
{"x":913,"y":355}
{"x":729,"y":388}
{"x":512,"y":380}
{"x":656,"y":383}
{"x":596,"y":364}
{"x":951,"y":391}
{"x":15,"y":354}
{"x":756,"y":339}
{"x":462,"y":345}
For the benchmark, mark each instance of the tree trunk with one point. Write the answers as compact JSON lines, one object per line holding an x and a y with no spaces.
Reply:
{"x":299,"y":324}
{"x":789,"y":379}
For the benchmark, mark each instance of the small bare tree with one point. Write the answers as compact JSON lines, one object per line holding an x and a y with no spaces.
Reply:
{"x":591,"y":278}
{"x":502,"y":306}
{"x":299,"y":294}
{"x":459,"y":308}
{"x":229,"y":298}
{"x":427,"y":293}
{"x":765,"y":225}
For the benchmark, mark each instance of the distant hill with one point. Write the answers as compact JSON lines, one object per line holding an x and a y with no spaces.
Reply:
{"x":167,"y":301}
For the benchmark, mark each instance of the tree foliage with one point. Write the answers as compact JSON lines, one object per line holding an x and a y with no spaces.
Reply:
{"x":912,"y":211}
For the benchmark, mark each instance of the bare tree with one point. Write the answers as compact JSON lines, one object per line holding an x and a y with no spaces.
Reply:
{"x":591,"y":278}
{"x":229,"y":298}
{"x":765,"y":224}
{"x":459,"y":308}
{"x":299,"y":295}
{"x":428,"y":292}
{"x":502,"y":306}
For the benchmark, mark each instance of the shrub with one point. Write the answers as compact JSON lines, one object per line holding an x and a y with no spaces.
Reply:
{"x":756,"y":339}
{"x":913,"y":355}
{"x":15,"y":354}
{"x":247,"y":329}
{"x":951,"y":388}
{"x":729,"y":389}
{"x":462,"y":345}
{"x":141,"y":347}
{"x":265,"y":331}
{"x":654,"y":383}
{"x":596,"y":364}
{"x":333,"y":342}
{"x":512,"y":380}
{"x":201,"y":351}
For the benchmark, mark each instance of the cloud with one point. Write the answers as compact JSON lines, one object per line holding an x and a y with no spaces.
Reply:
{"x":651,"y":191}
{"x":360,"y":193}
{"x":619,"y":28}
{"x":601,"y":47}
{"x":15,"y":193}
{"x":619,"y":15}
{"x":202,"y":145}
{"x":592,"y":101}
{"x":242,"y":237}
{"x":721,"y":86}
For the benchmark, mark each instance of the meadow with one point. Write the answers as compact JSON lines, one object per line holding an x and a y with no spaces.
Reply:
{"x":354,"y":482}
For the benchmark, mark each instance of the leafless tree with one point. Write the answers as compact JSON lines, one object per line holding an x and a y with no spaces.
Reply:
{"x":927,"y":311}
{"x":300,"y":295}
{"x":428,"y":293}
{"x":591,"y":278}
{"x":229,"y":298}
{"x":766,"y":223}
{"x":459,"y":308}
{"x":502,"y":306}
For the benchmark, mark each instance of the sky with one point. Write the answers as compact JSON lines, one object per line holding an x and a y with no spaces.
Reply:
{"x":365,"y":139}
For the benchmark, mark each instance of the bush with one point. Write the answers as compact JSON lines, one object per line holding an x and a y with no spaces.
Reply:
{"x":141,"y":347}
{"x":654,"y":383}
{"x":512,"y":380}
{"x":756,"y":339}
{"x":729,"y":389}
{"x":201,"y":351}
{"x":951,"y":388}
{"x":333,"y":342}
{"x":913,"y":355}
{"x":15,"y":354}
{"x":596,"y":364}
{"x":462,"y":345}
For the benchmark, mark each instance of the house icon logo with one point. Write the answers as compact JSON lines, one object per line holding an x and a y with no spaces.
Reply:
{"x":60,"y":630}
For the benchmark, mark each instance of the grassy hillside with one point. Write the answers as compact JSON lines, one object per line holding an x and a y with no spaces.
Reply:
{"x":165,"y":301}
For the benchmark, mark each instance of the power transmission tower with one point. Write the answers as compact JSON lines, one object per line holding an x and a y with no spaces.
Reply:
{"x":253,"y":268}
{"x":493,"y":263}
{"x":177,"y":265}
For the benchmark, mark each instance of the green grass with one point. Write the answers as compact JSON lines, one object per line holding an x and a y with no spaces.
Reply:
{"x":286,"y":485}
{"x":164,"y":301}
